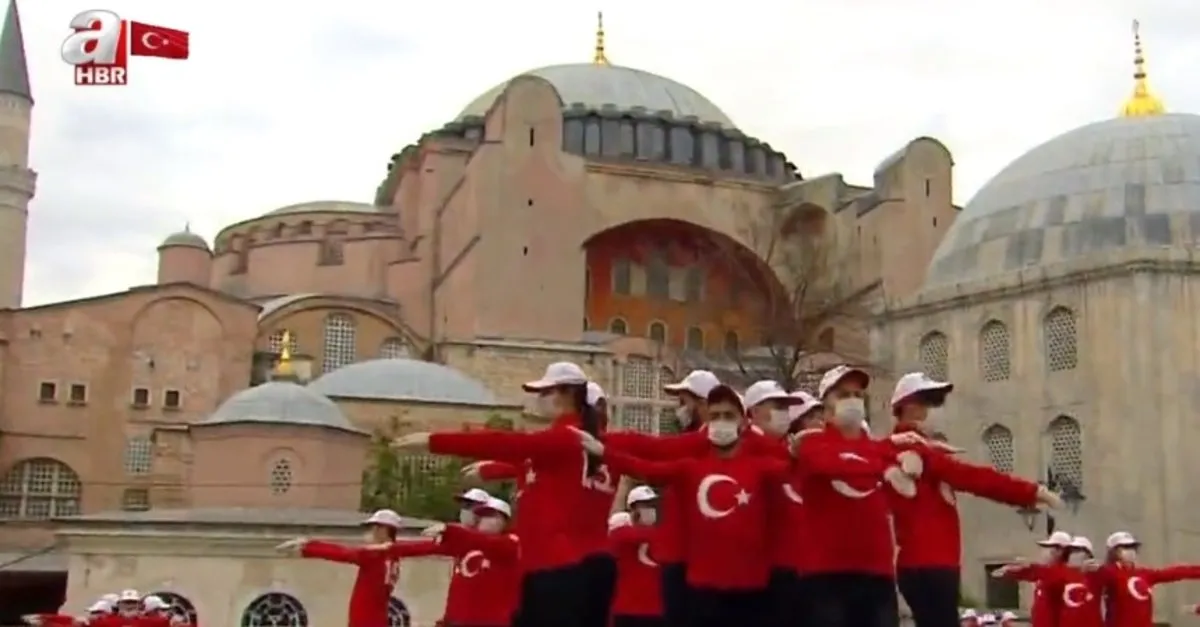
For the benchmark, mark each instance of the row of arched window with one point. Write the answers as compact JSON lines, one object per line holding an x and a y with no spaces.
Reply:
{"x":1064,"y":450}
{"x":339,"y":343}
{"x":694,"y":338}
{"x":1060,"y":348}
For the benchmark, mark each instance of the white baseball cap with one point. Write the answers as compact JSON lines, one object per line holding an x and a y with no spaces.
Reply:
{"x":1121,"y":538}
{"x":969,"y":613}
{"x":987,"y":619}
{"x":100,"y":607}
{"x":476,"y":496}
{"x":1059,"y":539}
{"x":1008,"y":615}
{"x":152,"y":603}
{"x":760,"y":392}
{"x":1080,"y":542}
{"x":595,"y":393}
{"x":558,"y":373}
{"x":807,"y":403}
{"x":723,"y":392}
{"x":640,"y":494}
{"x":697,"y":382}
{"x":835,"y":376}
{"x":497,"y":505}
{"x":915,"y":383}
{"x":619,"y":519}
{"x":128,"y":595}
{"x":385,"y":517}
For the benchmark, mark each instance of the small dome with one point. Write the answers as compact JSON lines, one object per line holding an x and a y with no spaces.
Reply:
{"x":597,"y":85}
{"x":323,"y":206}
{"x":1120,"y":183}
{"x":403,"y":380}
{"x":185,"y":238}
{"x":280,"y":402}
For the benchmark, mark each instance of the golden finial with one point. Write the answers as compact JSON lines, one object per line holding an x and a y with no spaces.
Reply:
{"x":284,"y":368}
{"x":600,"y":58}
{"x":1142,"y":103}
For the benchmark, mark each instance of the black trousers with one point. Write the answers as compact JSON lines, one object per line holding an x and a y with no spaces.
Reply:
{"x":851,"y":600}
{"x":599,"y":573}
{"x":626,"y":620}
{"x":552,"y":598}
{"x":931,"y":594}
{"x":787,"y":598}
{"x":674,"y":594}
{"x":729,"y":608}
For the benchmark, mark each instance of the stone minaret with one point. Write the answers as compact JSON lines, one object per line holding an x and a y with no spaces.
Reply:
{"x":17,"y":181}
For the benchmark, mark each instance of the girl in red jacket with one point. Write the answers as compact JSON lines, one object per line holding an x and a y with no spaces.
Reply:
{"x":1079,"y":587}
{"x":564,"y":503}
{"x":638,"y":600}
{"x":1130,"y":586}
{"x":486,"y":572}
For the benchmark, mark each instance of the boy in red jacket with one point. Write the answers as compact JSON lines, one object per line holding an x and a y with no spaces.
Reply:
{"x":1080,"y":589}
{"x":927,"y":527}
{"x":1130,"y":586}
{"x":638,"y":600}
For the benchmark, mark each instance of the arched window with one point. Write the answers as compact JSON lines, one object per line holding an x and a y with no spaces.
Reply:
{"x":1066,"y":451}
{"x":340,"y":342}
{"x":731,"y":343}
{"x":618,"y":326}
{"x":38,"y":489}
{"x":281,"y":477}
{"x":695,"y":339}
{"x":1060,"y":339}
{"x":397,"y":613}
{"x":693,"y":284}
{"x":179,"y":607}
{"x":935,"y":355}
{"x":995,"y":352}
{"x":394,"y":348}
{"x":275,"y":609}
{"x":622,"y":276}
{"x":275,"y":342}
{"x":658,"y":276}
{"x":658,"y":332}
{"x":1001,"y":452}
{"x":139,"y":455}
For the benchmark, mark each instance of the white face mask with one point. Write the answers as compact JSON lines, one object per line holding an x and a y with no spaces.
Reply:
{"x":683,"y":415}
{"x":1077,"y":558}
{"x":934,"y":419}
{"x":467,"y":517}
{"x":1127,"y":555}
{"x":723,"y":432}
{"x":780,"y":421}
{"x":491,"y":524}
{"x":645,"y":515}
{"x":545,"y":407}
{"x":129,"y":610}
{"x":850,"y":411}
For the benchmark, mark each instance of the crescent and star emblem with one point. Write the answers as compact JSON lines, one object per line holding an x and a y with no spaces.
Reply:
{"x":153,"y":41}
{"x":1071,"y":596}
{"x":843,"y":488}
{"x":704,"y":501}
{"x":469,"y":568}
{"x":792,"y":495}
{"x":1138,"y":588}
{"x":852,"y":457}
{"x":643,"y":555}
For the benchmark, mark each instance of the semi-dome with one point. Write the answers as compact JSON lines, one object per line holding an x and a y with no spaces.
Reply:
{"x":403,"y":380}
{"x":596,"y":85}
{"x":1126,"y":182}
{"x":184,"y":238}
{"x":280,"y":402}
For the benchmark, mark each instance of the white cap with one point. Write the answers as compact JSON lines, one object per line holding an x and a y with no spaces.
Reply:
{"x":723,"y":392}
{"x":807,"y":403}
{"x":100,"y":607}
{"x":385,"y":517}
{"x":558,"y":373}
{"x":1080,"y":542}
{"x":640,"y":494}
{"x":476,"y":496}
{"x":835,"y":375}
{"x":619,"y":519}
{"x":1059,"y":539}
{"x":1121,"y":538}
{"x":987,"y":619}
{"x":766,"y":390}
{"x":697,"y":382}
{"x":1008,"y":615}
{"x":152,"y":603}
{"x":969,"y":613}
{"x":595,"y":393}
{"x":915,"y":383}
{"x":111,"y":598}
{"x":129,"y":595}
{"x":497,"y":505}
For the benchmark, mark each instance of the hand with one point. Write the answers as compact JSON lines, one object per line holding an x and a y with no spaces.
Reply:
{"x":412,"y":442}
{"x":911,"y":463}
{"x":1091,"y":566}
{"x":908,"y":438}
{"x":471,"y":471}
{"x":291,"y":546}
{"x":946,"y":447}
{"x":433,"y":531}
{"x":793,"y":440}
{"x":1048,"y":498}
{"x":589,"y":442}
{"x":900,"y":482}
{"x":1004,"y":570}
{"x":32,"y":619}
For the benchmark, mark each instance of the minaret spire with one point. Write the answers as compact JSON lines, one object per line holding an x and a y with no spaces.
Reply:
{"x":600,"y":58}
{"x":14,"y":69}
{"x":1142,"y":103}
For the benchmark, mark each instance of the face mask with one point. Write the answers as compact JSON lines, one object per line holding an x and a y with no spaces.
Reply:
{"x":467,"y":517}
{"x":1048,"y":555}
{"x":933,"y":420}
{"x":1127,"y":555}
{"x":491,"y":524}
{"x":545,"y":407}
{"x":780,"y":420}
{"x":646,"y":515}
{"x":128,"y":611}
{"x":723,"y":433}
{"x":1077,"y":558}
{"x":683,"y":415}
{"x":850,"y":411}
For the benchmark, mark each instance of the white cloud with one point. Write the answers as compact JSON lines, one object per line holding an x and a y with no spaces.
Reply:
{"x":286,"y":102}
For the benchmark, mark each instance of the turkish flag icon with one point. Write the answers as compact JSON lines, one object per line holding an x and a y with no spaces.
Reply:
{"x":147,"y":40}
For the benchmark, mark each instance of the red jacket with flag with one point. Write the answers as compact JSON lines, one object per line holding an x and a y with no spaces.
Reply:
{"x":378,"y":572}
{"x":928,"y":529}
{"x":639,"y":590}
{"x":1080,"y":594}
{"x":116,"y":620}
{"x":1130,"y":591}
{"x":487,"y":572}
{"x":562,"y":510}
{"x":1047,"y":595}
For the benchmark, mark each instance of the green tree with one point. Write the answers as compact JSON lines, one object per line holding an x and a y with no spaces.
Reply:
{"x":420,"y":486}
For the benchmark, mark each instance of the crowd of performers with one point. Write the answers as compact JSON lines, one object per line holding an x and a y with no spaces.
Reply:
{"x":126,"y":609}
{"x":769,"y":509}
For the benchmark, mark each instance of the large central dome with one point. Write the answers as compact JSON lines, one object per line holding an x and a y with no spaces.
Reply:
{"x":595,"y":85}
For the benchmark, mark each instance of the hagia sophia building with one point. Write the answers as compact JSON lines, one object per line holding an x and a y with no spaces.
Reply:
{"x":152,"y":439}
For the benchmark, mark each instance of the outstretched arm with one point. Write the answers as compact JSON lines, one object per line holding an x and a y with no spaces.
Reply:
{"x":654,"y":472}
{"x":1173,"y":573}
{"x":982,"y":481}
{"x":815,"y":457}
{"x":415,"y":548}
{"x":331,"y":552}
{"x":657,"y":447}
{"x":509,"y":446}
{"x":630,"y":534}
{"x":498,"y":471}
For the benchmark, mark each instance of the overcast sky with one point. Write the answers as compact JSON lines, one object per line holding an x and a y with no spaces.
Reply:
{"x":284,"y":102}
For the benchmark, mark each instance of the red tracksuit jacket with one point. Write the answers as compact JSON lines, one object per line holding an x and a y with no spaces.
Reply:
{"x":378,"y":572}
{"x":639,"y":591}
{"x":1047,"y":594}
{"x":1130,"y":591}
{"x":928,"y":530}
{"x":1080,"y":594}
{"x":488,"y":576}
{"x":724,"y":544}
{"x":116,"y":620}
{"x":848,"y":519}
{"x":561,"y":517}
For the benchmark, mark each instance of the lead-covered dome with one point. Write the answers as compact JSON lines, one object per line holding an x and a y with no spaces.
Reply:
{"x":1127,"y":182}
{"x":280,"y":402}
{"x":596,"y":85}
{"x":409,"y":380}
